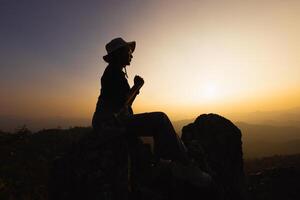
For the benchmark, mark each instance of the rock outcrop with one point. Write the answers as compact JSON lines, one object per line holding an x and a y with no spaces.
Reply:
{"x":110,"y":166}
{"x":215,"y":142}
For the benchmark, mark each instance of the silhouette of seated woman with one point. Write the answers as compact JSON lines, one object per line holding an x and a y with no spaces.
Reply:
{"x":117,"y":97}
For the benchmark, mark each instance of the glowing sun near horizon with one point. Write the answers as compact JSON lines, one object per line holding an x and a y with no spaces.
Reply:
{"x":210,"y":92}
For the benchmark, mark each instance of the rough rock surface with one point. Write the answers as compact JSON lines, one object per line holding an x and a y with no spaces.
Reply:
{"x":218,"y":141}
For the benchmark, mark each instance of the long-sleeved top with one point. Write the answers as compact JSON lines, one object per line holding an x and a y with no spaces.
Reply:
{"x":114,"y":92}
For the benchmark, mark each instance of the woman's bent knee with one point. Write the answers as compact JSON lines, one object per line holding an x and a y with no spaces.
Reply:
{"x":161,"y":118}
{"x":160,"y":115}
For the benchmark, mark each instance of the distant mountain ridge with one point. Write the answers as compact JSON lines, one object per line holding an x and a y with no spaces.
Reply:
{"x":288,"y":117}
{"x":260,"y":140}
{"x":11,"y":123}
{"x":265,"y":134}
{"x":266,"y":140}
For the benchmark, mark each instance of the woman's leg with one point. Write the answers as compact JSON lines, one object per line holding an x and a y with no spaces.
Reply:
{"x":157,"y":124}
{"x":169,"y":146}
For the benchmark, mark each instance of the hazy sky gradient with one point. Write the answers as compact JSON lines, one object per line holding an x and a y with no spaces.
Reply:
{"x":195,"y":56}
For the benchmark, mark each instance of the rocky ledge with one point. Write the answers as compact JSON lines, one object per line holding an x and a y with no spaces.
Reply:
{"x":107,"y":166}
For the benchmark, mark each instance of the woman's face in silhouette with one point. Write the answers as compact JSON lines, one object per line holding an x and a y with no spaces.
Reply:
{"x":125,"y":56}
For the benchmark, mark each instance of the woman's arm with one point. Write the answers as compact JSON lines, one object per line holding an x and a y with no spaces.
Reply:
{"x":134,"y":91}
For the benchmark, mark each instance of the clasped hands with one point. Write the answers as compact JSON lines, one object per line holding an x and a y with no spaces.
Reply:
{"x":138,"y":81}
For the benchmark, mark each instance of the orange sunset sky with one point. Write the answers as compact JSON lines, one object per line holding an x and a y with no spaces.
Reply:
{"x":195,"y":56}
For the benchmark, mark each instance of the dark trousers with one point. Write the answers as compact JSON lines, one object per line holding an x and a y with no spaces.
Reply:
{"x":167,"y":143}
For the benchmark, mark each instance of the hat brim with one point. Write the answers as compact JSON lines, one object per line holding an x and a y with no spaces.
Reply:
{"x":131,"y":45}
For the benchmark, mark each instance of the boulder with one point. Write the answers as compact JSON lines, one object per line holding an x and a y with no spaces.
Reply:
{"x":215,"y":143}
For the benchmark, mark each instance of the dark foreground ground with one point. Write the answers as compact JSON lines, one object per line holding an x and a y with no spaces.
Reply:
{"x":25,"y":159}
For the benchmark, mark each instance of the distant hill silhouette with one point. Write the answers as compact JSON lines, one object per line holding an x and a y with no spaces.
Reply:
{"x":266,"y":140}
{"x":11,"y":123}
{"x":288,"y":117}
{"x":263,"y":140}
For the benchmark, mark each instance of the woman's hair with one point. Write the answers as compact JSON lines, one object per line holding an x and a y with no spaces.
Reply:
{"x":109,"y":58}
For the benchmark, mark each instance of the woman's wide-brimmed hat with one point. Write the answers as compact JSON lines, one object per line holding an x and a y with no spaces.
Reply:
{"x":116,"y":44}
